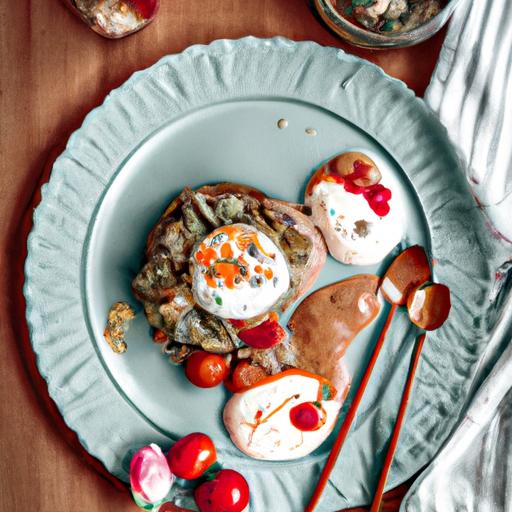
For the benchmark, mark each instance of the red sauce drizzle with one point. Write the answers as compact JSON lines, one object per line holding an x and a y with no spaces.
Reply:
{"x":376,"y":195}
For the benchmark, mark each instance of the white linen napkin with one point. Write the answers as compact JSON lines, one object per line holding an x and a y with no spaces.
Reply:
{"x":473,"y":471}
{"x":471,"y":91}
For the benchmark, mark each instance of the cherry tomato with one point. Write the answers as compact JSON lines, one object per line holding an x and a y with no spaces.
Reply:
{"x":227,"y":492}
{"x":307,"y":416}
{"x":247,"y":374}
{"x":159,"y":336}
{"x":206,"y":370}
{"x":191,"y":456}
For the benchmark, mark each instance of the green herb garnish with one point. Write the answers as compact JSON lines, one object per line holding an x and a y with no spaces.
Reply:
{"x":364,"y":3}
{"x":326,"y":392}
{"x":388,"y":26}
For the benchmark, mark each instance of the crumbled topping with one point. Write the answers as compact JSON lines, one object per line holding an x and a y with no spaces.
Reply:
{"x":119,"y":316}
{"x":362,"y":228}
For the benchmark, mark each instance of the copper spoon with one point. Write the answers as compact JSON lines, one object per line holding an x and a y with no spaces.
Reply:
{"x":428,"y":308}
{"x":408,"y":270}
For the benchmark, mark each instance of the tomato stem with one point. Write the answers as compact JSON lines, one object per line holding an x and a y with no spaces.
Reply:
{"x":212,"y":471}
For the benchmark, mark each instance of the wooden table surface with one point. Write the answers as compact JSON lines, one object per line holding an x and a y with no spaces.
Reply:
{"x":53,"y":70}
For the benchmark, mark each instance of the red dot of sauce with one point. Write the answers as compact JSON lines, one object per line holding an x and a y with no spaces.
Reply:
{"x":376,"y":195}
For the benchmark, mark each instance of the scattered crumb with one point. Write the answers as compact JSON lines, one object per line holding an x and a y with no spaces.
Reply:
{"x":282,"y":124}
{"x":312,"y":132}
{"x":362,"y":228}
{"x":119,"y":316}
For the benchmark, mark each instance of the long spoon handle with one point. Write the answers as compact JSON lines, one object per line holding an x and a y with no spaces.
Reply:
{"x":377,"y":499}
{"x":349,"y":418}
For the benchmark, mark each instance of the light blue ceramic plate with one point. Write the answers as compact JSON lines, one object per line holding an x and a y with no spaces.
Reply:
{"x":207,"y":115}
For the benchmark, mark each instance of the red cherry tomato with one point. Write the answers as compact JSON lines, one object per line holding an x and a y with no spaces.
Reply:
{"x":307,"y":416}
{"x":206,"y":370}
{"x":247,"y":374}
{"x":191,"y":456}
{"x":227,"y":492}
{"x":159,"y":336}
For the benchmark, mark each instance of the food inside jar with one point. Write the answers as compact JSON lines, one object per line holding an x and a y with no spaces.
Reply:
{"x":115,"y":18}
{"x":389,"y":16}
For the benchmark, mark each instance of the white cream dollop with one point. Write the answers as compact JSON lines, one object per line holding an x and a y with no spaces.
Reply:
{"x":354,"y":233}
{"x":275,"y":437}
{"x":238,"y":272}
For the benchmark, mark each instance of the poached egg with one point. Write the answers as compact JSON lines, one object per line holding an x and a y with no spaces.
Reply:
{"x":238,"y":272}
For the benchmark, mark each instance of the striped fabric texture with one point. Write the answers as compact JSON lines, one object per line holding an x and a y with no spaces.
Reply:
{"x":471,"y":91}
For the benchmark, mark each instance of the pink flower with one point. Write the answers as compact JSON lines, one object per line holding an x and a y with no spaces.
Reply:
{"x":150,"y":476}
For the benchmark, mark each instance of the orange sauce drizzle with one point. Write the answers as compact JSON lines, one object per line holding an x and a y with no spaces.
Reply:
{"x":229,"y":272}
{"x":214,"y":257}
{"x":323,"y":174}
{"x":226,"y":251}
{"x":315,"y":180}
{"x":244,"y":239}
{"x":210,"y":281}
{"x":295,"y":371}
{"x":258,"y":417}
{"x":258,"y":421}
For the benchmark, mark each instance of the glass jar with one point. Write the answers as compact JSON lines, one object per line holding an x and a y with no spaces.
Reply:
{"x":115,"y":18}
{"x":358,"y":35}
